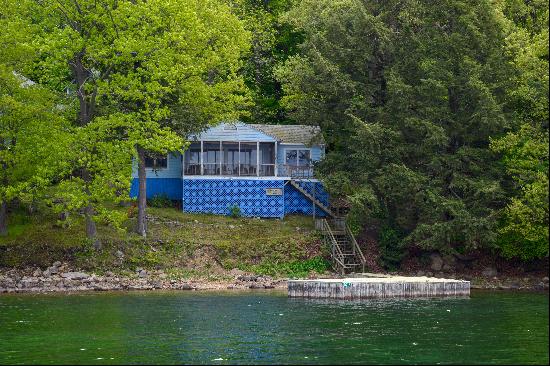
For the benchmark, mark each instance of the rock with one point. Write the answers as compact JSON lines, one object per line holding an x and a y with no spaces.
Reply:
{"x":75,"y":275}
{"x":109,"y":274}
{"x":248,"y":278}
{"x":46,"y":273}
{"x":142,"y":273}
{"x":53,"y":270}
{"x":420,"y":273}
{"x":545,"y":279}
{"x":235,"y":272}
{"x":489,"y":272}
{"x":37,"y":273}
{"x":186,"y":286}
{"x":446,"y":268}
{"x":119,"y":254}
{"x":56,"y":264}
{"x":231,"y":226}
{"x":156,"y":284}
{"x":437,"y":262}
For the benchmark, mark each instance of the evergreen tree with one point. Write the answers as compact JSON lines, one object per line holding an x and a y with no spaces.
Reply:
{"x":407,"y":94}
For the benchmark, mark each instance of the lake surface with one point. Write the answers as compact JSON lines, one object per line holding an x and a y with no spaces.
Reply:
{"x":267,"y":327}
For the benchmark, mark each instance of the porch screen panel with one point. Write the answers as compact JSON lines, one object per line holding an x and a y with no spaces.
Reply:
{"x":248,"y":158}
{"x":192,"y":163}
{"x":211,"y":157}
{"x":230,"y":164}
{"x":267,"y":159}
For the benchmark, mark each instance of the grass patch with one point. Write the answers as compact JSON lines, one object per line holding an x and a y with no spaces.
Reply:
{"x":182,"y":244}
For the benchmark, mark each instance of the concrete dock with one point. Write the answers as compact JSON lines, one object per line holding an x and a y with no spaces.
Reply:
{"x":383,"y":286}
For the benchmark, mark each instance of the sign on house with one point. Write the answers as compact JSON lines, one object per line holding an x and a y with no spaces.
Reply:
{"x":274,"y":191}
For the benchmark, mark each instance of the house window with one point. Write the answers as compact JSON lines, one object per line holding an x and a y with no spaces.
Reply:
{"x":298,"y":157}
{"x":156,"y":162}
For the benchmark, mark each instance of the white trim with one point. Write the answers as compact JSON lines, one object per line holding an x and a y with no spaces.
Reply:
{"x":155,"y":171}
{"x":257,"y":158}
{"x":306,"y":148}
{"x":198,"y":177}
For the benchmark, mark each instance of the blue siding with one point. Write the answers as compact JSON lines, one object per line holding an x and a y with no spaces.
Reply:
{"x":317,"y":153}
{"x":218,"y":195}
{"x":243,"y":132}
{"x":173,"y":170}
{"x":171,"y":187}
{"x":297,"y":203}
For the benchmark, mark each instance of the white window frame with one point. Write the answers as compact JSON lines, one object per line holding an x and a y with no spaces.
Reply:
{"x":158,"y":169}
{"x":297,"y":148}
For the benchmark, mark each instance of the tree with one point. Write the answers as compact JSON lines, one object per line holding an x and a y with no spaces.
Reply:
{"x":31,"y":139}
{"x":135,"y":69}
{"x":523,"y":231}
{"x":33,"y":127}
{"x":272,"y":42}
{"x":407,"y":95}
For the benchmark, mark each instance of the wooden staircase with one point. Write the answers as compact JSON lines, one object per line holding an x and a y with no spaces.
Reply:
{"x":345,"y":252}
{"x":346,"y":255}
{"x":311,"y":198}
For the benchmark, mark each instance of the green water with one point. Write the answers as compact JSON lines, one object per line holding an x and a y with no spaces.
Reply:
{"x":268,"y":327}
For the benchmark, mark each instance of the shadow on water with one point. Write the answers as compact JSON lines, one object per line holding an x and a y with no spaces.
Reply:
{"x":267,"y":327}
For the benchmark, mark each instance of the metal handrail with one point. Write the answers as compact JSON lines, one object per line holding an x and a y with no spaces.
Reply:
{"x":356,"y":246}
{"x":328,"y":230}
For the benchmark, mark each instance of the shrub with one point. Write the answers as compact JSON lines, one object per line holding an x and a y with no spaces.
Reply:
{"x":160,"y":200}
{"x":235,"y":211}
{"x":391,"y":248}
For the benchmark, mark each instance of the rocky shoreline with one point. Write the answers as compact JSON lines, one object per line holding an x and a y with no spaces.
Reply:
{"x":61,"y":278}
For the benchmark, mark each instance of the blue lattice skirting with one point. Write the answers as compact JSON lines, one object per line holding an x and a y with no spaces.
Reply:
{"x":217,"y":196}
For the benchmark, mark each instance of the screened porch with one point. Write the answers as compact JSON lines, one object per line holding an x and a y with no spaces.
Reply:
{"x":230,"y":158}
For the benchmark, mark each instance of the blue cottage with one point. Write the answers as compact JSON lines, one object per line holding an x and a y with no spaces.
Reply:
{"x":265,"y":170}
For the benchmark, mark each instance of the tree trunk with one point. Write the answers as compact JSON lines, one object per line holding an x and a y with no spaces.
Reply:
{"x":91,"y":230}
{"x":3,"y":218}
{"x":142,"y":194}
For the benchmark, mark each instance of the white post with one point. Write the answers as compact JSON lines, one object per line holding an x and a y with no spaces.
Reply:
{"x":276,"y":165}
{"x":221,"y":159}
{"x":201,"y":159}
{"x":258,"y":158}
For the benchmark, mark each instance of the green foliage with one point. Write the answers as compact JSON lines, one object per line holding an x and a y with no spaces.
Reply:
{"x":391,"y":247}
{"x":235,"y":211}
{"x":272,"y":42}
{"x":295,"y":269}
{"x":33,"y":138}
{"x":137,"y":74}
{"x":160,"y":200}
{"x":524,"y":229}
{"x":408,"y":95}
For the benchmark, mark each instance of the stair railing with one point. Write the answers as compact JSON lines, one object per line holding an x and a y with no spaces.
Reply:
{"x":336,"y":252}
{"x":356,"y":249}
